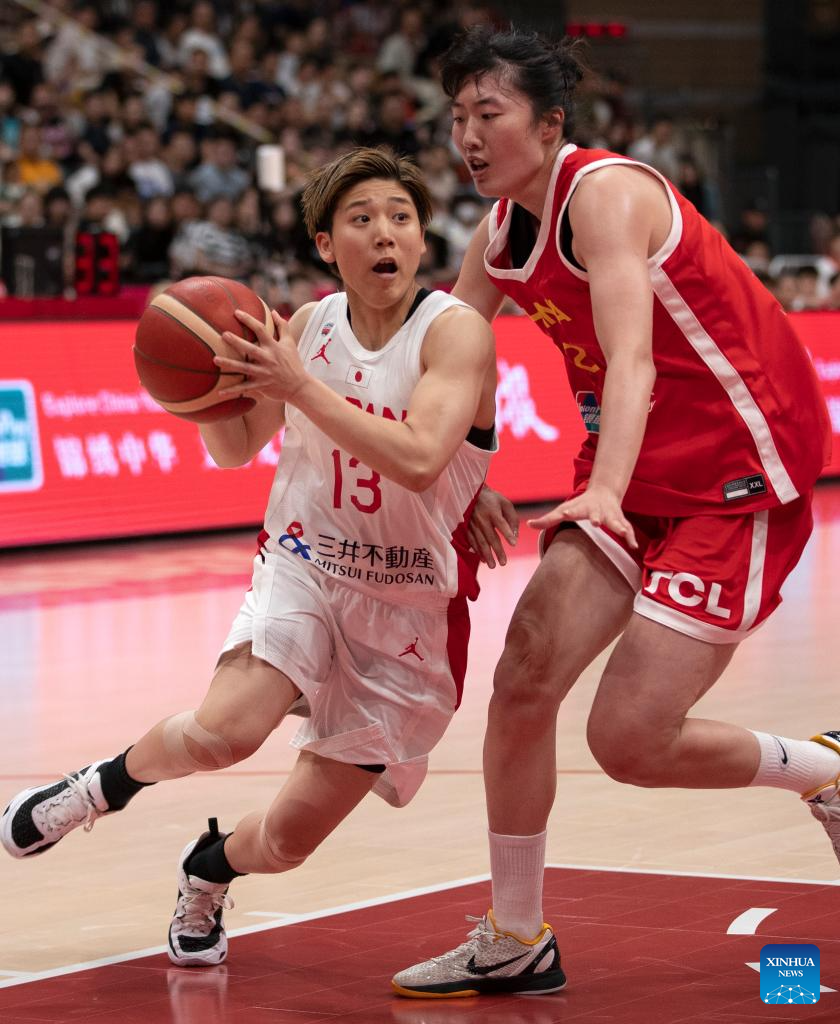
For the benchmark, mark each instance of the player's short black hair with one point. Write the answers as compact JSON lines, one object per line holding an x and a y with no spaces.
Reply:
{"x":329,"y":183}
{"x":546,"y":72}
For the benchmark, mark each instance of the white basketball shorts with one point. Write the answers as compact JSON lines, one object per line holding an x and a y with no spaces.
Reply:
{"x":380,"y":680}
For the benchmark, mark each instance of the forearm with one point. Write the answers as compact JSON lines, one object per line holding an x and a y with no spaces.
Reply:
{"x":624,"y":410}
{"x":234,"y":442}
{"x":392,"y":448}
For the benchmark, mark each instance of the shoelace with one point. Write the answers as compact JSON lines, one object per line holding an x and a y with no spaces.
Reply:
{"x":482,"y":933}
{"x":197,"y":909}
{"x":58,"y":812}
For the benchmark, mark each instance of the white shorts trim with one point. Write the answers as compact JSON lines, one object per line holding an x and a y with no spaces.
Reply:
{"x":682,"y":623}
{"x":614,"y":551}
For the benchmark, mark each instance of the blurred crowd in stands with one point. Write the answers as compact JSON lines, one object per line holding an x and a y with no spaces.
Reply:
{"x":142,"y":118}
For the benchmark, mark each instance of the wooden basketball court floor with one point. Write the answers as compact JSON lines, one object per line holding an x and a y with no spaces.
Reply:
{"x":661,"y":899}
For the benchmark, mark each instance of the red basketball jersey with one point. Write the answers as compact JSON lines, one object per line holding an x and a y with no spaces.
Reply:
{"x":737,"y":421}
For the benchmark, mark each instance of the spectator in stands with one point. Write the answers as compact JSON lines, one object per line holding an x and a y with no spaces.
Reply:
{"x":757,"y":256}
{"x":753,"y":226}
{"x":58,"y":210}
{"x":658,"y":148}
{"x":76,"y":52}
{"x":185,"y":209}
{"x":147,"y":251}
{"x":150,"y":174}
{"x":101,"y":212}
{"x":244,"y":78}
{"x":28,"y":212}
{"x":785,"y":289}
{"x":218,"y":174}
{"x":202,"y":35}
{"x":400,"y":50}
{"x":197,"y":77}
{"x":179,"y":156}
{"x":57,"y":138}
{"x":212,"y":246}
{"x":833,"y":298}
{"x":144,"y":16}
{"x":691,"y":182}
{"x":169,"y":39}
{"x":393,"y":126}
{"x":9,"y":122}
{"x":36,"y":170}
{"x":23,"y":67}
{"x":97,"y":131}
{"x":807,"y":289}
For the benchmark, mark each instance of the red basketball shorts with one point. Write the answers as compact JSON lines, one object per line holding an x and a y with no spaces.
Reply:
{"x":713,"y":577}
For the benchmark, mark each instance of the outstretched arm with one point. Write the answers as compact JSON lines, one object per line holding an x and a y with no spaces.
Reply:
{"x":615,"y":214}
{"x":444,"y":405}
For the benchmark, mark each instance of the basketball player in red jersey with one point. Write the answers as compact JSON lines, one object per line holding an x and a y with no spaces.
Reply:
{"x":363,"y":558}
{"x":691,"y":504}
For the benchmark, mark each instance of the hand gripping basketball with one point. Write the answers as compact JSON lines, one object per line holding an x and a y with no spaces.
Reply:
{"x":177,"y":338}
{"x":271,"y":367}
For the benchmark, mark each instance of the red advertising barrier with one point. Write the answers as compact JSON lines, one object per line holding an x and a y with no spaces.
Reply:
{"x":85,"y":453}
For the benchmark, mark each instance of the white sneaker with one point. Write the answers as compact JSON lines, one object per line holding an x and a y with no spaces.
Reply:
{"x":824,"y":801}
{"x":490,"y":962}
{"x":37,"y":818}
{"x":197,"y":935}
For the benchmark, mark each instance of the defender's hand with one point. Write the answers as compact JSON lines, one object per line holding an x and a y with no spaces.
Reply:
{"x":493,"y":515}
{"x":597,"y":504}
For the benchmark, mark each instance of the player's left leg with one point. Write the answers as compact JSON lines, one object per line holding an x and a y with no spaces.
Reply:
{"x":317,"y":797}
{"x":640,"y":733}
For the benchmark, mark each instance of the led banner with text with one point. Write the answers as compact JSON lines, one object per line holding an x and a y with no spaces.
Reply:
{"x":85,"y":453}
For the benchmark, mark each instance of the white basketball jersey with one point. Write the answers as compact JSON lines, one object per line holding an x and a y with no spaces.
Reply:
{"x":346,"y":519}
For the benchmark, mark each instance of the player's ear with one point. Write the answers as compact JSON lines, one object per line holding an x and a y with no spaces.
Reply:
{"x":552,"y":124}
{"x":423,"y":240}
{"x":323,"y":243}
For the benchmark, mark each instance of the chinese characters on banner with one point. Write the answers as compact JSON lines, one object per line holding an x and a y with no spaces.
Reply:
{"x":86,"y":453}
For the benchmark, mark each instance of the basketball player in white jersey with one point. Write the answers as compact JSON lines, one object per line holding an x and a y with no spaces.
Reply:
{"x":357,"y":616}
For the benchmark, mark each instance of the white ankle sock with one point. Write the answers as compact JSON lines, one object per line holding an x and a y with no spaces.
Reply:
{"x":798,"y":765}
{"x":517,"y":864}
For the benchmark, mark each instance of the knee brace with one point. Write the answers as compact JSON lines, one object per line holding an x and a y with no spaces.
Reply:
{"x":275,"y":856}
{"x":213,"y":750}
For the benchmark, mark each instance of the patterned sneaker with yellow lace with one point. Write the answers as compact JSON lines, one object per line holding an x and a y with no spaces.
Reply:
{"x":37,"y":818}
{"x":490,"y":962}
{"x":824,"y":801}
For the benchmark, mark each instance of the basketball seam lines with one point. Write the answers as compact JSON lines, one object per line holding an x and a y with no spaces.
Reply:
{"x":184,"y":369}
{"x":231,"y":298}
{"x":189,"y":330}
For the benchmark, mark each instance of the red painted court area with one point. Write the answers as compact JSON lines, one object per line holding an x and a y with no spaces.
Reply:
{"x":638,"y":949}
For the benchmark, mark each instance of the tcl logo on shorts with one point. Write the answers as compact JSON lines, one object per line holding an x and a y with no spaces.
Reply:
{"x":690,"y":591}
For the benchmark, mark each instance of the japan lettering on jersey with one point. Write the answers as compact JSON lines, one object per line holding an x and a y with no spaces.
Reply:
{"x":736,"y":419}
{"x":346,"y":519}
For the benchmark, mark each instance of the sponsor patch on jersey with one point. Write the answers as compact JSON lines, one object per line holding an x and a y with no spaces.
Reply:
{"x":587,"y":403}
{"x":359,"y":375}
{"x":744,"y":487}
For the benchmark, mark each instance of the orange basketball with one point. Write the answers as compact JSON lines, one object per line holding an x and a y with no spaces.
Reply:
{"x":177,"y":337}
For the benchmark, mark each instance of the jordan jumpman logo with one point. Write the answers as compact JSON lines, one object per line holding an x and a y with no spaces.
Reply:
{"x":412,"y":649}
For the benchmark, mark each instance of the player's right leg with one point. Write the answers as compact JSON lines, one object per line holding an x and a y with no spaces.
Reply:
{"x":576,"y":603}
{"x":317,"y":797}
{"x":246,"y":700}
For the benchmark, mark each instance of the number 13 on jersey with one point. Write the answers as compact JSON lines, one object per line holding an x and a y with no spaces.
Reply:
{"x":356,"y":485}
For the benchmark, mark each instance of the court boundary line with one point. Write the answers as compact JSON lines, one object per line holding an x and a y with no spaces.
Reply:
{"x":25,"y":978}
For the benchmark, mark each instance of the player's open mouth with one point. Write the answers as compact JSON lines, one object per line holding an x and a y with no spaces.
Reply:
{"x":385,"y":266}
{"x":476,"y":166}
